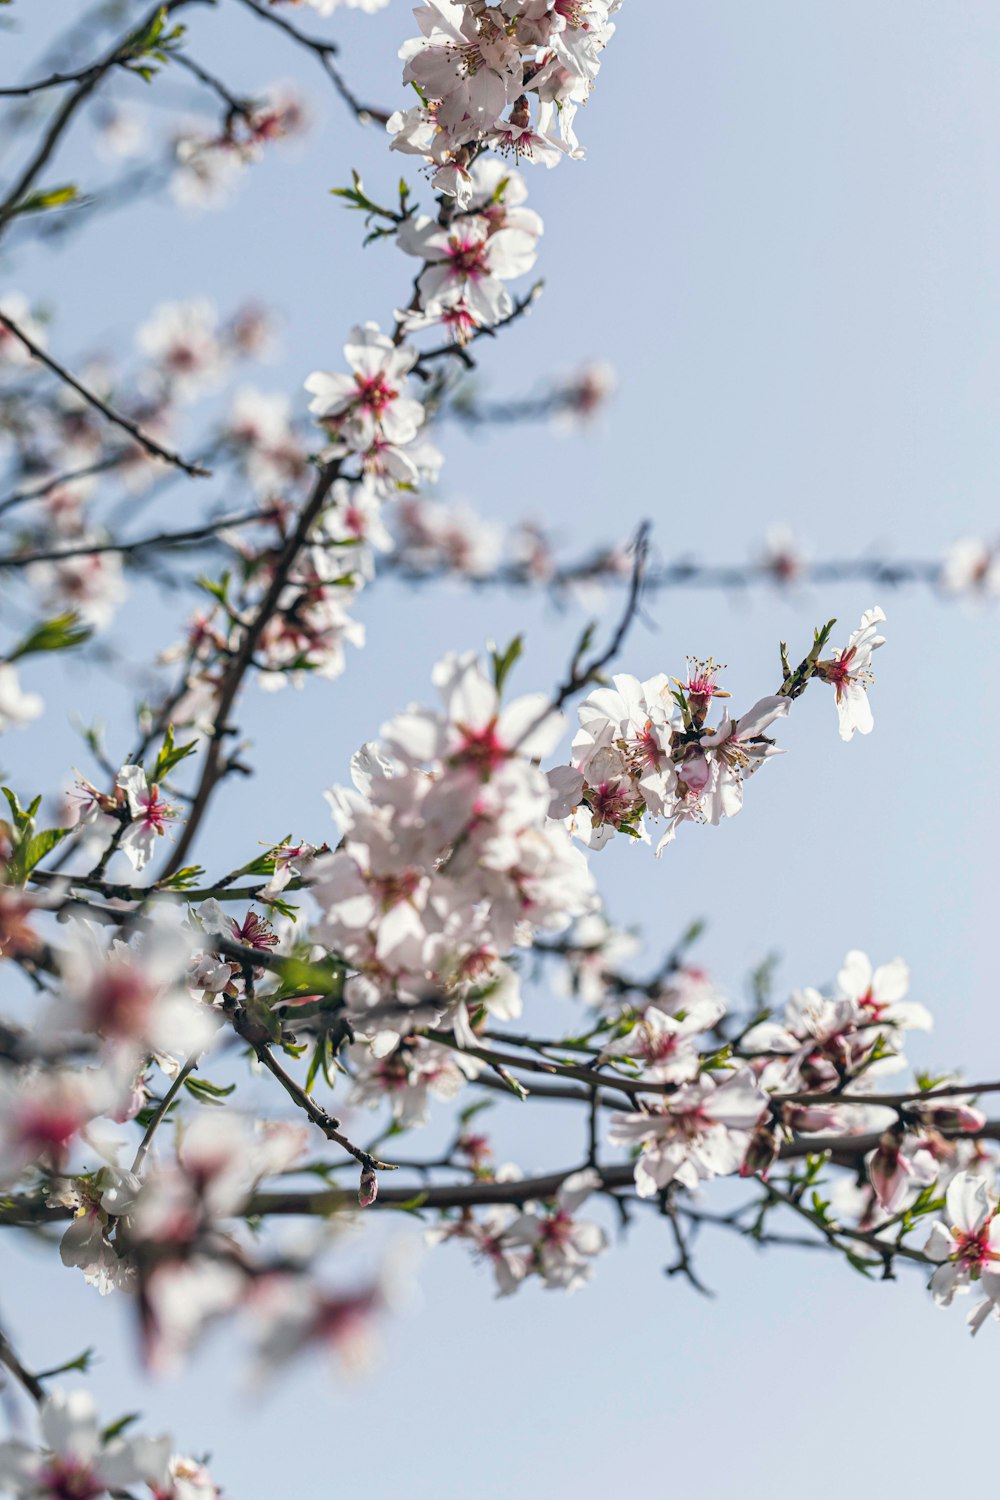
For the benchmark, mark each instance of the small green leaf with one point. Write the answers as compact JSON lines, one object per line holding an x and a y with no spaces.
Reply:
{"x":218,"y":590}
{"x":61,"y":633}
{"x":180,"y":880}
{"x":81,"y":1363}
{"x":206,"y":1092}
{"x":504,"y":661}
{"x":115,"y":1429}
{"x":413,"y":1205}
{"x":171,"y":755}
{"x":37,"y":847}
{"x":53,"y":198}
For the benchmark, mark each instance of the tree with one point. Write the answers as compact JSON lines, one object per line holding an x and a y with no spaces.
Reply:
{"x":184,"y":1064}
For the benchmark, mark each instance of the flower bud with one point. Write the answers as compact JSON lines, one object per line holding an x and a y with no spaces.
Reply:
{"x":762,"y":1151}
{"x":889,"y":1172}
{"x":368,"y":1190}
{"x":952,"y":1115}
{"x":812,"y":1117}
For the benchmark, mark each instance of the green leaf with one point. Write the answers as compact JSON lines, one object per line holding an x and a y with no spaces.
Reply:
{"x":180,"y":880}
{"x":171,"y":755}
{"x":505,"y":660}
{"x":317,"y":1060}
{"x":36,"y":203}
{"x":512,"y":1083}
{"x":206,"y":1092}
{"x":61,"y":633}
{"x":37,"y":847}
{"x":260,"y":1012}
{"x":413,"y":1205}
{"x":299,"y":977}
{"x":115,"y":1429}
{"x":23,"y":818}
{"x":80,"y":1363}
{"x":218,"y":590}
{"x":471,"y":1110}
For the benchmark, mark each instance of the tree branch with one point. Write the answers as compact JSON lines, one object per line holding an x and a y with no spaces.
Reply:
{"x":125,"y":423}
{"x":365,"y":114}
{"x":191,"y":537}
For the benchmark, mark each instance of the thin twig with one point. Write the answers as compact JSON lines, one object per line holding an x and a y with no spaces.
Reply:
{"x":188,"y":538}
{"x":161,"y":1111}
{"x":24,"y":1377}
{"x":60,"y":122}
{"x":39,"y":491}
{"x":323,"y":51}
{"x":317,"y":1115}
{"x":56,"y":80}
{"x":125,"y":423}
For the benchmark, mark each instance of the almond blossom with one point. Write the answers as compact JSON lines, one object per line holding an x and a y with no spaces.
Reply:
{"x":182,"y":340}
{"x":467,"y":62}
{"x":966,"y":1244}
{"x":467,"y":263}
{"x":149,"y":816}
{"x":849,"y":671}
{"x":76,"y":1461}
{"x":700,"y":1132}
{"x":562,"y":1247}
{"x":370,"y":402}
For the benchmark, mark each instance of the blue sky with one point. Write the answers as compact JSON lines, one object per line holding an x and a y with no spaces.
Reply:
{"x":785,"y":239}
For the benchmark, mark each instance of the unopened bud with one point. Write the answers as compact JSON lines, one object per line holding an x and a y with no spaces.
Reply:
{"x":812,"y":1117}
{"x":951,"y":1116}
{"x":889,"y":1172}
{"x":762,"y":1152}
{"x":368,"y":1190}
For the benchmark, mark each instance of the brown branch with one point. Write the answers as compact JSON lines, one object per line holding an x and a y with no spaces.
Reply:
{"x":459,"y":351}
{"x":160,"y":1113}
{"x":28,"y":1211}
{"x":45,"y":487}
{"x":56,"y":80}
{"x":317,"y":1115}
{"x":323,"y":51}
{"x":125,"y":423}
{"x":24,"y":1377}
{"x":60,"y":122}
{"x":188,"y":538}
{"x":600,"y":567}
{"x":235,"y":106}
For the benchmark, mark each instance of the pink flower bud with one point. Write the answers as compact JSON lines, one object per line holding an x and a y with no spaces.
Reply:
{"x":889,"y":1172}
{"x":762,"y":1152}
{"x":953,"y":1115}
{"x":812,"y":1117}
{"x":368,"y":1190}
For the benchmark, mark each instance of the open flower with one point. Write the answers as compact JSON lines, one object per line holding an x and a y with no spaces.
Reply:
{"x":150,"y":815}
{"x":966,"y":1242}
{"x":702,"y":1131}
{"x":849,"y":671}
{"x":76,"y":1463}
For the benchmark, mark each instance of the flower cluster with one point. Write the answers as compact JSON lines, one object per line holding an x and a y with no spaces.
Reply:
{"x":546,"y":1240}
{"x":468,"y":259}
{"x":510,"y":77}
{"x":78,"y":1459}
{"x":448,"y":857}
{"x":645,"y":749}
